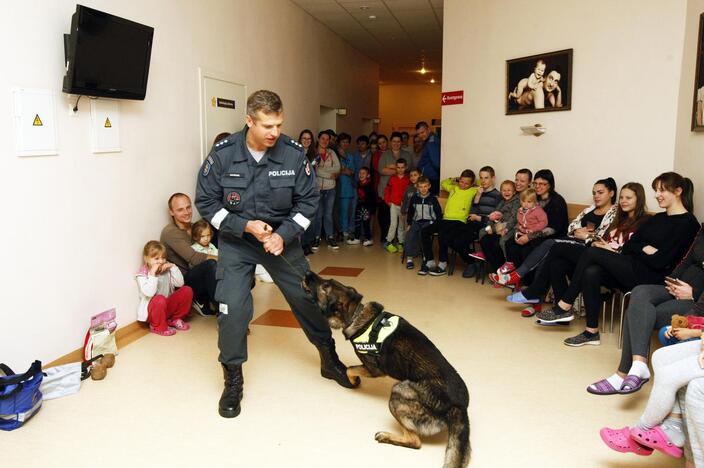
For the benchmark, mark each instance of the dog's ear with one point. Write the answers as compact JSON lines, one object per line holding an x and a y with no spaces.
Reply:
{"x":378,"y":308}
{"x":355,"y":297}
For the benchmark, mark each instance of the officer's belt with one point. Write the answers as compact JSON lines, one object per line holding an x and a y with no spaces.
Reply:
{"x":371,"y":339}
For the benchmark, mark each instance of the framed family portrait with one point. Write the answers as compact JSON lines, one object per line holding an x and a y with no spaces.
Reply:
{"x":539,"y":83}
{"x":698,"y":105}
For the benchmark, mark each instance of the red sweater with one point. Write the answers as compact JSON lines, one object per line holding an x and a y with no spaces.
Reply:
{"x":396,"y":189}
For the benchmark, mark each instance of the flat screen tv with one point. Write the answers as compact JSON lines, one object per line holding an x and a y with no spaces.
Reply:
{"x":106,"y":55}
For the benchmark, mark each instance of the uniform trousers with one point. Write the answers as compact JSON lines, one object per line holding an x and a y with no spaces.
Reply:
{"x":164,"y":310}
{"x":237,"y":260}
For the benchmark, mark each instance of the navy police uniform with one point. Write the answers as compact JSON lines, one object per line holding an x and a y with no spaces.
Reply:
{"x":232,"y":189}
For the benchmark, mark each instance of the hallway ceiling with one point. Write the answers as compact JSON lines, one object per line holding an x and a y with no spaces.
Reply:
{"x":403,"y":35}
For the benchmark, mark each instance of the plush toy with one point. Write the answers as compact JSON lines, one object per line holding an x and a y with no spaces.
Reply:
{"x":680,"y":321}
{"x":695,"y":322}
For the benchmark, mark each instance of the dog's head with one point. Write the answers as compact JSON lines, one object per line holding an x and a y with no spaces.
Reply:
{"x":337,"y":302}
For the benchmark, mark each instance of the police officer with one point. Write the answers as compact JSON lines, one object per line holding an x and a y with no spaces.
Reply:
{"x":257,"y":188}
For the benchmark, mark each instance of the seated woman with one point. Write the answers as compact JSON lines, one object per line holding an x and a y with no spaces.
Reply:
{"x":651,"y":307}
{"x":646,"y":258}
{"x":518,"y":249}
{"x":660,"y":425}
{"x":593,"y":220}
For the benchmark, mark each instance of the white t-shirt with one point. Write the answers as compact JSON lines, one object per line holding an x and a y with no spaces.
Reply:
{"x":257,"y":155}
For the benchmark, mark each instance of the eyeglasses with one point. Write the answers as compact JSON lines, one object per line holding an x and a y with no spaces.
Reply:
{"x":540,"y":184}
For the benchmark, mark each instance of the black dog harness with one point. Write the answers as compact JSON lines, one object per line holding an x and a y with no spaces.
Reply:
{"x":371,"y":339}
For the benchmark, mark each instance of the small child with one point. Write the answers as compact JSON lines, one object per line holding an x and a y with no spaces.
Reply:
{"x":533,"y":81}
{"x":414,"y":175}
{"x":366,"y":206}
{"x":202,"y":234}
{"x":503,"y":219}
{"x":423,"y":210}
{"x":530,"y":217}
{"x":393,"y":196}
{"x":160,"y":304}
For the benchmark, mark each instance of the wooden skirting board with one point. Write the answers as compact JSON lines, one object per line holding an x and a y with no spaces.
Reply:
{"x":124,"y":336}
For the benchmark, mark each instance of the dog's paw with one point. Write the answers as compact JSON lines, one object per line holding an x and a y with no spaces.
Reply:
{"x":355,"y":381}
{"x":382,"y":437}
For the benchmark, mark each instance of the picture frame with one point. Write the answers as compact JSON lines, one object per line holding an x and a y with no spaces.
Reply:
{"x":539,"y":83}
{"x":698,"y":99}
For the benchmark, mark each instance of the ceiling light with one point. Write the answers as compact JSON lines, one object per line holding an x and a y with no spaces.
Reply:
{"x":364,"y":7}
{"x":423,"y":71}
{"x":372,"y":17}
{"x":432,"y":80}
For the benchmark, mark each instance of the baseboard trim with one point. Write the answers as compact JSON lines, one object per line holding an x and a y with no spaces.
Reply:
{"x":124,"y":336}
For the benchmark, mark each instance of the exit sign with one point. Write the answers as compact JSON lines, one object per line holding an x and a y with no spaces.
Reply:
{"x":452,"y":97}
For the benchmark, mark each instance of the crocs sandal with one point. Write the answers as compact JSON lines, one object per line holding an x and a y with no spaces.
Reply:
{"x":620,"y":440}
{"x":602,"y":387}
{"x":179,"y":325}
{"x":166,"y":332}
{"x":531,"y":310}
{"x":631,"y":384}
{"x":656,"y":438}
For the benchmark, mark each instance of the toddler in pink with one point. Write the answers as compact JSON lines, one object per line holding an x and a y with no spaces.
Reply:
{"x":161,"y":304}
{"x":531,"y":216}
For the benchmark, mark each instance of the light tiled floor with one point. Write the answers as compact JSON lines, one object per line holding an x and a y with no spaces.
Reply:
{"x":158,"y":405}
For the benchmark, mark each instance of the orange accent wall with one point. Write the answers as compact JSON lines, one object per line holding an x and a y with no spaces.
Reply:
{"x":401,"y":106}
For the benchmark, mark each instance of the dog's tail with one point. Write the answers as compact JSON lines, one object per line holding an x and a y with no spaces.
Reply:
{"x":458,"y":447}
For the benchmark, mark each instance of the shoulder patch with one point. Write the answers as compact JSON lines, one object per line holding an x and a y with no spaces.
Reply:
{"x":293,"y":143}
{"x":223,"y":143}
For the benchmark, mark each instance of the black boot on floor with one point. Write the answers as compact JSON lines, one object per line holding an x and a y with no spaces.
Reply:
{"x":229,"y":405}
{"x":332,"y":368}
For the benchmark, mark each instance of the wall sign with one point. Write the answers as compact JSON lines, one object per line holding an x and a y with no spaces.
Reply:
{"x":452,"y":97}
{"x":34,"y":122}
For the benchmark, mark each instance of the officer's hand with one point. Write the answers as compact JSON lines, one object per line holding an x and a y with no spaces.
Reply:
{"x":259,"y":229}
{"x":274,"y":244}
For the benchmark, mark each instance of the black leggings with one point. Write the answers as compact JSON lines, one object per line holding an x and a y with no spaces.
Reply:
{"x":446,"y":230}
{"x":555,"y":270}
{"x":596,"y":268}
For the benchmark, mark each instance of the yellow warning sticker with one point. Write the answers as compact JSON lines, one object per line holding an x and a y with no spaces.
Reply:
{"x":107,"y":123}
{"x":37,"y":121}
{"x":213,"y":102}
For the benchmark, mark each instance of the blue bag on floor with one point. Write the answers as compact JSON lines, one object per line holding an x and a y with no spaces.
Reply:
{"x":20,"y":397}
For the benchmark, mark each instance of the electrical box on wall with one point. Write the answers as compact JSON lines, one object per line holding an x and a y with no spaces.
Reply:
{"x":34,"y":120}
{"x":105,"y":126}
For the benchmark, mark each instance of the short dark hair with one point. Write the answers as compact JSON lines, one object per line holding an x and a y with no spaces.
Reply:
{"x":415,"y":169}
{"x":488,"y":169}
{"x":423,"y":180}
{"x":402,"y":161}
{"x":380,"y":136}
{"x":323,"y":132}
{"x":546,"y":174}
{"x":363,"y":138}
{"x":404,"y":133}
{"x":265,"y":101}
{"x":422,"y":124}
{"x":396,"y":135}
{"x":365,"y":168}
{"x":528,"y":172}
{"x":468,"y":173}
{"x":198,"y":228}
{"x":331,"y":132}
{"x":344,"y":136}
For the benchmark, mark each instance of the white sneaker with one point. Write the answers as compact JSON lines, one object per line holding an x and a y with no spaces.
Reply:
{"x":262,"y":275}
{"x":368,"y":242}
{"x":352,"y":241}
{"x":431,"y":264}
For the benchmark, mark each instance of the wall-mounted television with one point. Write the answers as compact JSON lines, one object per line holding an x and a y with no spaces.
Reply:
{"x":106,"y":55}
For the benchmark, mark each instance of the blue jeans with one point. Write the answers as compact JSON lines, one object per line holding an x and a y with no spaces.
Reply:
{"x":347,"y":207}
{"x":323,"y":218}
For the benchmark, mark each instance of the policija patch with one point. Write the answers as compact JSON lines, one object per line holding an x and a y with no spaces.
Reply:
{"x":234,"y":198}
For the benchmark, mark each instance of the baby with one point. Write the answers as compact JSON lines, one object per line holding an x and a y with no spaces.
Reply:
{"x":530,"y":217}
{"x":535,"y":80}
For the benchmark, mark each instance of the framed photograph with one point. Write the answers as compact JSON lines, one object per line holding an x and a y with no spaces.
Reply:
{"x":698,"y":105}
{"x":539,"y":83}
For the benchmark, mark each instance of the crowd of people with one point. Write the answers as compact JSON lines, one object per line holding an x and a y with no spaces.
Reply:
{"x":519,"y":231}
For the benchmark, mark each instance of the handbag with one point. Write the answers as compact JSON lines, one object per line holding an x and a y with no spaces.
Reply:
{"x":20,"y":396}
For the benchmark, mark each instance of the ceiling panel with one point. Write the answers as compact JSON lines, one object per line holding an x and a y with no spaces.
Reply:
{"x":403,"y":33}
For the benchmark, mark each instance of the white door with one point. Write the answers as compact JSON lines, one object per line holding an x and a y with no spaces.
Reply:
{"x":223,"y":108}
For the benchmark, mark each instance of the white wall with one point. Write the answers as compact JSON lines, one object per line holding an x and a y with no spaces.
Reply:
{"x":625,"y":87}
{"x":689,"y":157}
{"x":75,"y":223}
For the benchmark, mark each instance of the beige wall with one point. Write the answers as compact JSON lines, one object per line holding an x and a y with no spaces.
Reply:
{"x":405,"y":105}
{"x":689,"y":157}
{"x":75,"y":223}
{"x":626,"y":88}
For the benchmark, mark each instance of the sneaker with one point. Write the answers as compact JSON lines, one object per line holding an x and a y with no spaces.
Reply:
{"x":332,"y":243}
{"x":584,"y":338}
{"x":345,"y":236}
{"x":554,"y":315}
{"x":352,"y":241}
{"x":315,"y":245}
{"x":478,"y":256}
{"x":410,"y":265}
{"x":431,"y":264}
{"x":391,"y":248}
{"x":368,"y":243}
{"x":469,"y":271}
{"x":507,"y":267}
{"x":423,"y":270}
{"x":438,"y":271}
{"x":400,"y":246}
{"x":200,"y":308}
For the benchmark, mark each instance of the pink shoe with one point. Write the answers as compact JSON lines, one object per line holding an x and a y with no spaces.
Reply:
{"x":507,"y":267}
{"x":179,"y":325}
{"x":166,"y":332}
{"x":620,"y":440}
{"x":656,"y":438}
{"x":478,"y":255}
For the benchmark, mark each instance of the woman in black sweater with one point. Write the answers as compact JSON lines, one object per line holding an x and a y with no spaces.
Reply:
{"x":646,"y":258}
{"x":554,"y":206}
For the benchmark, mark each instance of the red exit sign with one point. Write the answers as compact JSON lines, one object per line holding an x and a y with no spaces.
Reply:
{"x":452,"y":97}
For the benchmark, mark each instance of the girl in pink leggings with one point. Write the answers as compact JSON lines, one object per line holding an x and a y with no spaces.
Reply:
{"x":161,"y":304}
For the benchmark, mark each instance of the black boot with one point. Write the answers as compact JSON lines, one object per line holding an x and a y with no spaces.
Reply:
{"x":229,"y":405}
{"x":332,"y":368}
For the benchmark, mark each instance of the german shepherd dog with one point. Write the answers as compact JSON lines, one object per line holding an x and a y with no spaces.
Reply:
{"x":429,"y":396}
